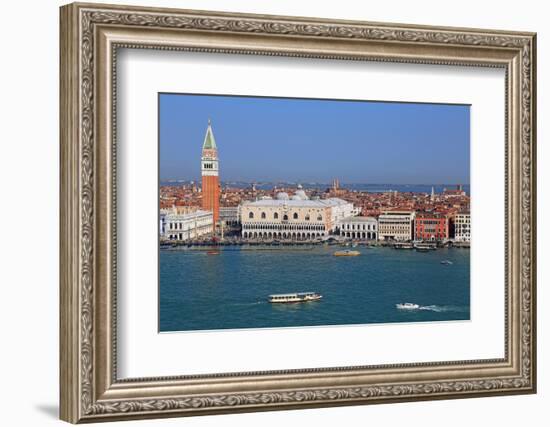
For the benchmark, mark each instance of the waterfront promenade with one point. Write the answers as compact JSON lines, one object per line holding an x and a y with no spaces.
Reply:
{"x":330,"y":241}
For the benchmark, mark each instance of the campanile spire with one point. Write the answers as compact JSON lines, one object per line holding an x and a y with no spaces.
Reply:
{"x":210,"y":174}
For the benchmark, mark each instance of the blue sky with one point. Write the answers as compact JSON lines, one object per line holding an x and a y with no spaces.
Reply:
{"x":307,"y":140}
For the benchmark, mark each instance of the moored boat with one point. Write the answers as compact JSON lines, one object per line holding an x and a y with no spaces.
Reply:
{"x":425,"y":247}
{"x":347,"y":252}
{"x":295,"y":297}
{"x":402,"y":245}
{"x":446,"y":262}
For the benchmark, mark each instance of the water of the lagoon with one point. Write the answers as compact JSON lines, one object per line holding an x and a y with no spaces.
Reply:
{"x":230,"y":290}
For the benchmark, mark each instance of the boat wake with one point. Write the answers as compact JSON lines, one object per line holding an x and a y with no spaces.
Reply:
{"x":242,"y":304}
{"x":442,"y":308}
{"x":435,"y":308}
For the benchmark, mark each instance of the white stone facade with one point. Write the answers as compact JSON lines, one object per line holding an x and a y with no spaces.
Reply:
{"x":230,"y":215}
{"x":396,"y":225}
{"x":162,"y":223}
{"x":187,"y":226}
{"x":296,"y":218}
{"x":462,"y":227}
{"x":359,"y":227}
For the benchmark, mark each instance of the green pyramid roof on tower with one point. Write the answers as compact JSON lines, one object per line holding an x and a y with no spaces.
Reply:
{"x":209,"y":141}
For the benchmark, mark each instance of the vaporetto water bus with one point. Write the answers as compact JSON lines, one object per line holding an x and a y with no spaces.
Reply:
{"x":296,"y":297}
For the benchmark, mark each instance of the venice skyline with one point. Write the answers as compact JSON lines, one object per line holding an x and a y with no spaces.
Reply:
{"x":410,"y":259}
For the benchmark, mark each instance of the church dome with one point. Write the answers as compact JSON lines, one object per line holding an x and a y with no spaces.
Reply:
{"x":301,"y":194}
{"x":282,"y":196}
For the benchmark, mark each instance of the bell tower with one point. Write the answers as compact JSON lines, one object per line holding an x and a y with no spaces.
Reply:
{"x":210,"y":174}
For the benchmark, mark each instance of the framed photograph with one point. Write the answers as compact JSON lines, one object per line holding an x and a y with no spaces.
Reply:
{"x":265,"y":213}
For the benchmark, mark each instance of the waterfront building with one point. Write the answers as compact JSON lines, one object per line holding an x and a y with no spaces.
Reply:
{"x":396,"y":225}
{"x":182,"y":226}
{"x":293,"y":217}
{"x":462,"y":227}
{"x":359,"y":227}
{"x":162,"y":223}
{"x":210,"y":174}
{"x":431,"y":226}
{"x":230,"y":215}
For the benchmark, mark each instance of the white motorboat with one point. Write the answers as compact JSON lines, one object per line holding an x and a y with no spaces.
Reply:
{"x":407,"y":306}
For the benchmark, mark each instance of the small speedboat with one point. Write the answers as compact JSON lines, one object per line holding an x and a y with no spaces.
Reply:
{"x":446,"y":262}
{"x":407,"y":306}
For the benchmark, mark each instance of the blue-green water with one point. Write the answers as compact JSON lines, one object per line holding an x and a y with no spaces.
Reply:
{"x":230,"y":290}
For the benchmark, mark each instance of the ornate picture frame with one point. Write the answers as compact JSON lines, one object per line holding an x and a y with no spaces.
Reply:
{"x":90,"y":37}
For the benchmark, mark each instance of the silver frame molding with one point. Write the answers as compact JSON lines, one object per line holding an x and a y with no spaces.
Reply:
{"x":90,"y":37}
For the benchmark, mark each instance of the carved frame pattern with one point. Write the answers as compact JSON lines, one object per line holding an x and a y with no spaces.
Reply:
{"x":79,"y":400}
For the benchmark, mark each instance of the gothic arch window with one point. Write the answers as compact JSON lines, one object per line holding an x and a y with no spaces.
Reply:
{"x":307,"y":217}
{"x":275,"y":215}
{"x":285,"y":217}
{"x":251,"y":215}
{"x":319,"y":218}
{"x":263,"y":215}
{"x":295,"y":216}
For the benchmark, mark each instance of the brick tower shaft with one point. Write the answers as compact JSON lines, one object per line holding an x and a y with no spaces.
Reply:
{"x":210,"y":174}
